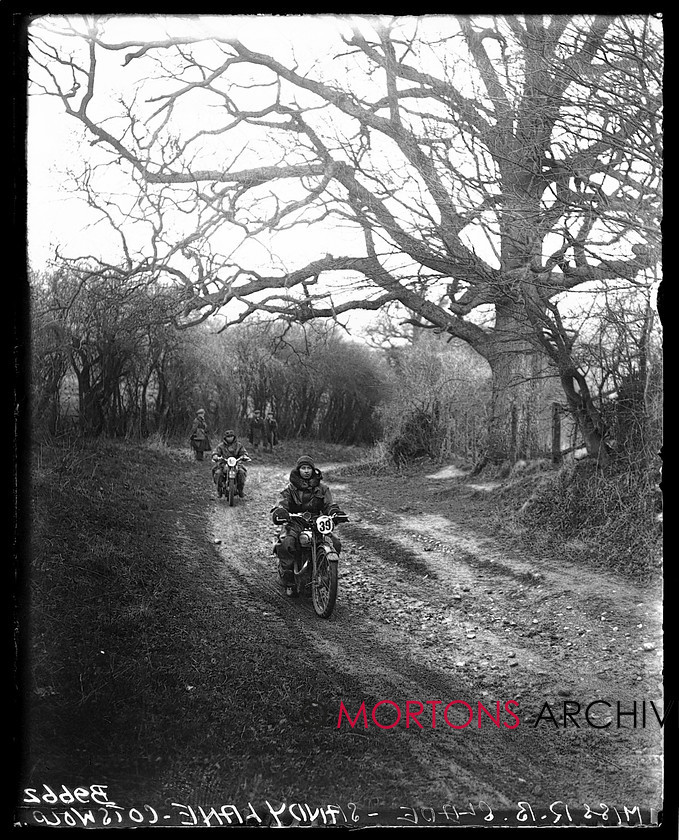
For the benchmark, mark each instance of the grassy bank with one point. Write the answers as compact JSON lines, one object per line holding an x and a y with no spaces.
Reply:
{"x":607,"y":521}
{"x":109,"y":601}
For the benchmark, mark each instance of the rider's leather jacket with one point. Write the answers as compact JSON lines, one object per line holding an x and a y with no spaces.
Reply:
{"x":235,"y":449}
{"x":301,"y":495}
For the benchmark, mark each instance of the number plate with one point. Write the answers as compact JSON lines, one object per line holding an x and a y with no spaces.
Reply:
{"x":324,"y":524}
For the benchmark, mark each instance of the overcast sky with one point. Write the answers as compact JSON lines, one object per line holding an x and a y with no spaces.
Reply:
{"x":56,"y":146}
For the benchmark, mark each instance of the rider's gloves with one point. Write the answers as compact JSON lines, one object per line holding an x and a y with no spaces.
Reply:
{"x":280,"y":515}
{"x":334,"y":510}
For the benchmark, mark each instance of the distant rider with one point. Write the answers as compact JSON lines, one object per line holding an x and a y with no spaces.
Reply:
{"x":304,"y":492}
{"x":228,"y":447}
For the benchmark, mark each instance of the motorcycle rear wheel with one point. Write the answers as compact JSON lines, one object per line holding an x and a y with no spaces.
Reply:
{"x":324,"y":583}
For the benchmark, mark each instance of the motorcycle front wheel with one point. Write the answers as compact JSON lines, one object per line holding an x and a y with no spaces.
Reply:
{"x":232,"y":491}
{"x":324,"y":583}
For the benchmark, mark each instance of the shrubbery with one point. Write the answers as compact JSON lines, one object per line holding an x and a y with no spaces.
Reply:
{"x":615,"y":515}
{"x":438,"y":403}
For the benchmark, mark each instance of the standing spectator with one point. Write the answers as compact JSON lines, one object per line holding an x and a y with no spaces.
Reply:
{"x":257,"y":430}
{"x":200,"y":436}
{"x":271,"y":432}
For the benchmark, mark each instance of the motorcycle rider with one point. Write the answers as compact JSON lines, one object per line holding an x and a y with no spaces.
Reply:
{"x":305,"y":491}
{"x":228,"y":447}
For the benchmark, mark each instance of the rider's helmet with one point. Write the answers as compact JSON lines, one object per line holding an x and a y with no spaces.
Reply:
{"x":201,"y":411}
{"x":305,"y":459}
{"x":229,"y":435}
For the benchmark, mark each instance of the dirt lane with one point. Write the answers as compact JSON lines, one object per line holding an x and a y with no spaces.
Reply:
{"x":172,"y":670}
{"x":431,"y":610}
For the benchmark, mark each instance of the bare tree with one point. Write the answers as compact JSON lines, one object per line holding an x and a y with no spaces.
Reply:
{"x":111,"y":335}
{"x":49,"y":354}
{"x":474,"y":170}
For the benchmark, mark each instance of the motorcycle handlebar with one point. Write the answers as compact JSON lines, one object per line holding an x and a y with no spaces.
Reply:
{"x":338,"y":517}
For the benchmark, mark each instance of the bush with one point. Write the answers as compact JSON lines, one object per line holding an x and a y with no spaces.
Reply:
{"x":616,"y":515}
{"x":415,"y":438}
{"x":438,"y":402}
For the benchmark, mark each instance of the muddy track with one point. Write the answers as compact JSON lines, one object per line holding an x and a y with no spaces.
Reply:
{"x":430,"y":610}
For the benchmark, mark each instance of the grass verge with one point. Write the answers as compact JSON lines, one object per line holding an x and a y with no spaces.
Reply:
{"x":610,"y":521}
{"x":107,"y":607}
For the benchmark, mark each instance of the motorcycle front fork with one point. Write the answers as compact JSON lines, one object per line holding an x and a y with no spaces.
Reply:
{"x":303,"y":563}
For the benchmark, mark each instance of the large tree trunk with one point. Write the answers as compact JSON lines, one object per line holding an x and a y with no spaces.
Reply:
{"x":582,"y":406}
{"x":517,"y":398}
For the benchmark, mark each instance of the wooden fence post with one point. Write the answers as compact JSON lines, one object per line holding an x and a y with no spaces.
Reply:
{"x":557,"y":457}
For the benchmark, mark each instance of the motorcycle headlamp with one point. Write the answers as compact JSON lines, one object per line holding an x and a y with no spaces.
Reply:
{"x":305,"y":539}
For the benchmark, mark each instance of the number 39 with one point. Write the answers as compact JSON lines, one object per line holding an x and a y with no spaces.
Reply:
{"x":324,"y":524}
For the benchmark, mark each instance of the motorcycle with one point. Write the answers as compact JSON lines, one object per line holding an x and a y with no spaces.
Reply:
{"x":228,"y":483}
{"x":315,"y":567}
